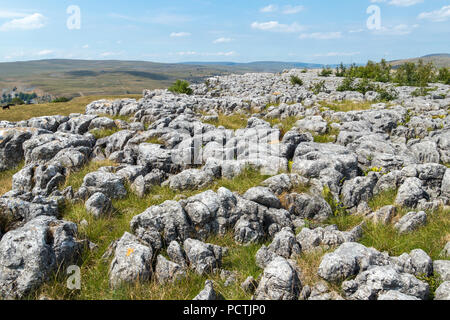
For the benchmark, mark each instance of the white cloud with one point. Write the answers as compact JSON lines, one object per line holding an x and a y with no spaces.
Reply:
{"x":222,"y":40}
{"x":269,"y":8}
{"x":399,"y":3}
{"x":356,"y":30}
{"x":187,"y":53}
{"x":29,"y":22}
{"x":321,"y":35}
{"x":404,"y":3}
{"x":179,"y":34}
{"x":4,"y":14}
{"x":440,"y":15}
{"x":398,"y":30}
{"x":275,"y":26}
{"x":337,"y":54}
{"x":292,"y":9}
{"x":86,"y":46}
{"x":285,"y":10}
{"x":206,"y":54}
{"x":109,"y":54}
{"x":44,"y":52}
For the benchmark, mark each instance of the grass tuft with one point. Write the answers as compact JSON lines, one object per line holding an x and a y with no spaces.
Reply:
{"x":76,"y":105}
{"x":431,"y":238}
{"x":6,"y":178}
{"x":234,"y":121}
{"x":103,"y":133}
{"x":346,"y":106}
{"x":75,"y":179}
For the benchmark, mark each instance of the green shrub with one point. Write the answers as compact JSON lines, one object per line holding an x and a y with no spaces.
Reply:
{"x":181,"y":86}
{"x":17,"y":101}
{"x":386,"y":94}
{"x":340,"y":70}
{"x":347,"y":84}
{"x":444,"y":76}
{"x":411,"y":74}
{"x":296,"y":81}
{"x":326,"y":72}
{"x":61,"y":99}
{"x":318,"y":87}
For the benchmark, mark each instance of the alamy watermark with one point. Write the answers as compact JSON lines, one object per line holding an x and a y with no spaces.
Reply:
{"x":74,"y":279}
{"x":74,"y":20}
{"x":374,"y":21}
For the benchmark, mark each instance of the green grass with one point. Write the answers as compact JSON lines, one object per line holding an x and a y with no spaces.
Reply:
{"x":154,"y":140}
{"x":346,"y":106}
{"x":95,"y":285}
{"x":103,"y":133}
{"x":345,"y":222}
{"x":75,"y":179}
{"x":330,"y":136}
{"x":234,"y":121}
{"x":431,"y":238}
{"x":6,"y":178}
{"x":104,"y":230}
{"x":285,"y":124}
{"x":384,"y":198}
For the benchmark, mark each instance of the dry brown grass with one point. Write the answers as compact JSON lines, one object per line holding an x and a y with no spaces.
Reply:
{"x":309,"y":263}
{"x":346,"y":106}
{"x":6,"y":178}
{"x":234,"y":121}
{"x":76,"y":105}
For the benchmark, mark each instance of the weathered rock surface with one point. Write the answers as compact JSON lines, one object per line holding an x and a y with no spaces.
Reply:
{"x":280,"y":281}
{"x":29,"y":255}
{"x":132,"y":261}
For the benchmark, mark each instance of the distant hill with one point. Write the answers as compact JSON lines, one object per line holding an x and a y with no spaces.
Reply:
{"x":71,"y":78}
{"x":438,"y":59}
{"x":60,"y":77}
{"x":260,"y":66}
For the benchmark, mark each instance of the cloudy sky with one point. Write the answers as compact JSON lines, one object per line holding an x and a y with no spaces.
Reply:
{"x":325,"y":31}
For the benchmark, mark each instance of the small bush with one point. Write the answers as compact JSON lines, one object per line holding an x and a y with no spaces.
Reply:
{"x":347,"y":84}
{"x":103,"y":133}
{"x":61,"y":99}
{"x":340,"y":70}
{"x":386,"y":94}
{"x":326,"y":72}
{"x":181,"y":87}
{"x":444,"y":76}
{"x":17,"y":101}
{"x":318,"y":87}
{"x":296,"y":81}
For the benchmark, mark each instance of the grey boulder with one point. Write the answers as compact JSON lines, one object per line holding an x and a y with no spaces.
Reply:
{"x":443,"y":292}
{"x":280,"y":281}
{"x":132,"y":261}
{"x":30,"y":254}
{"x":168,"y":271}
{"x":203,"y":257}
{"x":411,"y":221}
{"x":263,"y":196}
{"x":98,"y":205}
{"x":208,"y":293}
{"x":109,"y":184}
{"x":378,"y":279}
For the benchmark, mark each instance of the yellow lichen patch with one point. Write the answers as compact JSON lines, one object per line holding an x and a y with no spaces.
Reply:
{"x":130,"y":252}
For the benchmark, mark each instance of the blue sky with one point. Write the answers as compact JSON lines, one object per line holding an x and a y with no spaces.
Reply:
{"x":323,"y":31}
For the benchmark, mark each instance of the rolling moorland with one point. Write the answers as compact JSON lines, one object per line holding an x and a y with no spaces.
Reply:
{"x":73,"y":78}
{"x":299,"y":185}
